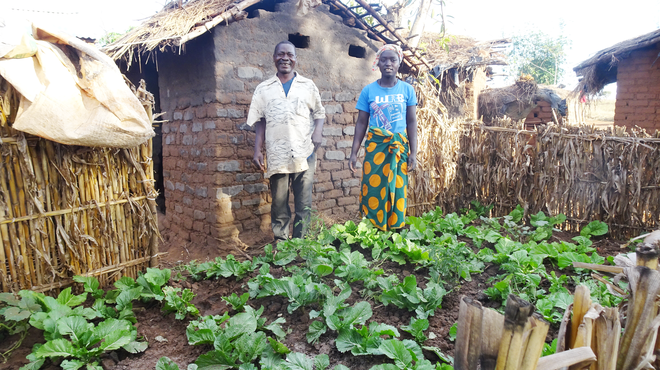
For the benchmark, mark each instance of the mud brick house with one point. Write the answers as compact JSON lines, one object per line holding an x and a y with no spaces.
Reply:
{"x":204,"y":77}
{"x":528,"y":102}
{"x":635,"y":67}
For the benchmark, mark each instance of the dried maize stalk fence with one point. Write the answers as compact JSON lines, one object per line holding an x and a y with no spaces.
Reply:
{"x":67,"y":210}
{"x":584,"y":173}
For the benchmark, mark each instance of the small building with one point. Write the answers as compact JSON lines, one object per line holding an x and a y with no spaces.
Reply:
{"x":526,"y":101}
{"x":204,"y":76}
{"x":635,"y":67}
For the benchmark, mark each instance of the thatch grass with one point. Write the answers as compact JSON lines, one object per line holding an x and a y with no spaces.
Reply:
{"x":601,"y":69}
{"x":461,"y":51}
{"x":166,"y":28}
{"x":68,"y":210}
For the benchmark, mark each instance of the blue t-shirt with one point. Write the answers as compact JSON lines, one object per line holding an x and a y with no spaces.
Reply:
{"x":387,"y":106}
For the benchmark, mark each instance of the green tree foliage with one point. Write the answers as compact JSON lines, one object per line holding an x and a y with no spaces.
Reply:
{"x":540,"y":55}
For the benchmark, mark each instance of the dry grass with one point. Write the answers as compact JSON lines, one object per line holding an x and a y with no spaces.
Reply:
{"x":68,"y":210}
{"x":166,"y":28}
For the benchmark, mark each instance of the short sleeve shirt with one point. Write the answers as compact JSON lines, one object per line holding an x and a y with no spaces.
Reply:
{"x":387,"y":106}
{"x":289,"y":122}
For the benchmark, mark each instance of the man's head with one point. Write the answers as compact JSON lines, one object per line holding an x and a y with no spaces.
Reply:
{"x":284,"y":57}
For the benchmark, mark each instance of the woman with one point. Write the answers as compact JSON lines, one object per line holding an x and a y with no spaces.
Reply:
{"x":387,"y":109}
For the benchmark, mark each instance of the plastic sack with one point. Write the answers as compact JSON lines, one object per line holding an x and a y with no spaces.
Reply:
{"x":74,"y":94}
{"x":15,"y":42}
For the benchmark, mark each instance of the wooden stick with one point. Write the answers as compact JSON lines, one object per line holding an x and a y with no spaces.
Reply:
{"x":595,"y":267}
{"x":462,"y":335}
{"x":101,"y":271}
{"x":491,"y":334}
{"x":581,"y":304}
{"x":608,"y":332}
{"x":535,"y":343}
{"x":614,"y":287}
{"x":581,"y":356}
{"x":476,"y":324}
{"x":12,"y":220}
{"x":641,"y":312}
{"x":516,"y":313}
{"x":647,"y":255}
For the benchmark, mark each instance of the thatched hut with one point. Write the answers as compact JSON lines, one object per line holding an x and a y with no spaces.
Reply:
{"x":462,"y":67}
{"x":203,"y":59}
{"x":635,"y":67}
{"x":527,"y":102}
{"x":70,"y":210}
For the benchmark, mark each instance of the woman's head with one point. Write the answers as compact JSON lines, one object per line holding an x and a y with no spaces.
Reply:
{"x":388,"y":59}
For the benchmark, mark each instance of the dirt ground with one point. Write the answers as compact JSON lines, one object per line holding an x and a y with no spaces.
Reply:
{"x":172,"y":341}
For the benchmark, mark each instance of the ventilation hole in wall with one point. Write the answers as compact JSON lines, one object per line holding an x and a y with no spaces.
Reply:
{"x":536,"y":115}
{"x":357,"y":51}
{"x":299,"y":41}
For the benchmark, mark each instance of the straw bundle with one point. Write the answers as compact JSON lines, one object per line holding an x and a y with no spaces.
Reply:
{"x":68,"y":210}
{"x":437,"y":155}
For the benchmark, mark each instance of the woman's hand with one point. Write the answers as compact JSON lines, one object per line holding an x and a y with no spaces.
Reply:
{"x":352,"y":161}
{"x":412,"y":162}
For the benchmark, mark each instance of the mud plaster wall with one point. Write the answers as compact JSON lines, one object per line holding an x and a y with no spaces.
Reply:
{"x":638,"y":90}
{"x":213,"y":191}
{"x":472,"y":91}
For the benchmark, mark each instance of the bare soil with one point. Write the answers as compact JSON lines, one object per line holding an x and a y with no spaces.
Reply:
{"x":153,"y":323}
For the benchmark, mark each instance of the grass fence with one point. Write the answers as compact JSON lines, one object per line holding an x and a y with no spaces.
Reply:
{"x":580,"y":171}
{"x":69,"y":210}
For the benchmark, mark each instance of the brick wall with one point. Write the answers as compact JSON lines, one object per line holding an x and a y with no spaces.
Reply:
{"x":541,"y":114}
{"x":638,"y":90}
{"x":213,"y":191}
{"x":472,"y":91}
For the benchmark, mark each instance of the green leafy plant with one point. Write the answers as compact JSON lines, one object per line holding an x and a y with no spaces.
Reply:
{"x":14,"y":315}
{"x":417,"y":328}
{"x":180,"y":304}
{"x":406,"y":355}
{"x":407,"y":295}
{"x":237,"y":302}
{"x":298,"y":290}
{"x":453,"y":331}
{"x":594,"y":228}
{"x":366,"y":340}
{"x":237,"y":340}
{"x":77,"y":341}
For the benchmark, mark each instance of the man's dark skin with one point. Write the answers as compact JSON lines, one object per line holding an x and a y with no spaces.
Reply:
{"x":388,"y":63}
{"x":285,"y":62}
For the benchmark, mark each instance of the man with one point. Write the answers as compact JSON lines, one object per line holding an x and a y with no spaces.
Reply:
{"x":288,"y":116}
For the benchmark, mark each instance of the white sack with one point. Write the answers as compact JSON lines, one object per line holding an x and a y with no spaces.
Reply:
{"x":79,"y":101}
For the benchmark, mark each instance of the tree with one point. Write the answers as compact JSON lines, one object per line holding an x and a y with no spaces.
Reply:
{"x":539,"y":55}
{"x":422,"y":11}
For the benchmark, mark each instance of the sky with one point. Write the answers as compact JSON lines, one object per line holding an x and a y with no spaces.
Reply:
{"x":590,"y":25}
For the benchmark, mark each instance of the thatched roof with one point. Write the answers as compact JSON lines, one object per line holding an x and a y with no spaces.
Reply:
{"x":463,"y":51}
{"x":177,"y":23}
{"x":517,"y":100}
{"x":601,"y":69}
{"x":181,"y":21}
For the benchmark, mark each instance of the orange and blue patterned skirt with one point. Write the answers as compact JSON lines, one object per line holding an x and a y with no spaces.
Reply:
{"x":385,"y":178}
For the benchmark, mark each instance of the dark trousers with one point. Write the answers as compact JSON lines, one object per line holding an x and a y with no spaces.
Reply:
{"x":280,"y":214}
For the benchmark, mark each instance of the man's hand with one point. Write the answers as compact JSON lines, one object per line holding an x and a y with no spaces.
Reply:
{"x":352,"y":161}
{"x":317,"y":138}
{"x":258,"y":159}
{"x":412,"y":162}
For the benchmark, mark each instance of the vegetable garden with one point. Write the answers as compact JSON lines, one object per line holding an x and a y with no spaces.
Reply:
{"x":349,"y":296}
